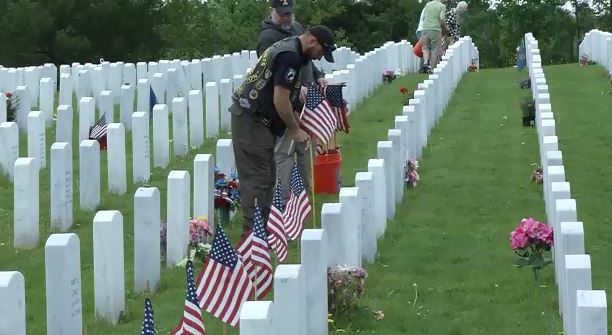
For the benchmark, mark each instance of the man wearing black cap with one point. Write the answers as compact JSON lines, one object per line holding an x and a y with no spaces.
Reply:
{"x":264,"y":109}
{"x":278,"y":25}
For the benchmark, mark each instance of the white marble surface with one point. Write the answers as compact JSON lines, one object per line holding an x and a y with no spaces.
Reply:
{"x":180,"y":131}
{"x":66,"y":89}
{"x":565,"y":211}
{"x":89,"y":174}
{"x":395,"y":137}
{"x":158,"y":83}
{"x":290,"y":299}
{"x":577,"y":269}
{"x":114,"y":81}
{"x":46,"y":98}
{"x":32,"y":81}
{"x":109,"y":280}
{"x":117,"y":178}
{"x":385,"y":151}
{"x":331,"y":216}
{"x":212,"y":109}
{"x":129,"y":74}
{"x":350,"y":199}
{"x":37,"y":147}
{"x":107,"y":106}
{"x":378,"y":169}
{"x":87,"y":116}
{"x":146,"y":239}
{"x":178,"y":208}
{"x":257,"y":317}
{"x":161,"y":136}
{"x":141,"y":159}
{"x":63,"y":130}
{"x":9,"y":143}
{"x":12,"y":303}
{"x":314,"y":250}
{"x":225,"y":156}
{"x":401,"y":122}
{"x":203,"y":186}
{"x":225,"y":101}
{"x":22,"y":94}
{"x":63,"y":284}
{"x":126,"y":106}
{"x":591,"y":312}
{"x":143,"y":95}
{"x":26,"y":206}
{"x":61,"y":186}
{"x":196,"y":118}
{"x":365,"y":182}
{"x":195,"y":74}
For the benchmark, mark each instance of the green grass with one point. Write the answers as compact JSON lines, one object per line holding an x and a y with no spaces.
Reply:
{"x":582,"y":103}
{"x":447,"y":247}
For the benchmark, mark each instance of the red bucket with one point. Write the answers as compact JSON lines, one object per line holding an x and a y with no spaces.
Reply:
{"x":327,"y":172}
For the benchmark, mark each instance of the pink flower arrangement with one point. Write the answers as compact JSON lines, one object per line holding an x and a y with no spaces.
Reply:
{"x":199,"y":230}
{"x":529,"y":240}
{"x":411,"y":174}
{"x":537,"y":176}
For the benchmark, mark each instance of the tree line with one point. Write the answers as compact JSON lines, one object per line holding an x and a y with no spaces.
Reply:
{"x":33,"y":32}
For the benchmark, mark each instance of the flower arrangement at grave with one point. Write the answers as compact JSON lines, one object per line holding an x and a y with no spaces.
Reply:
{"x":346,"y":284}
{"x":537,"y":176}
{"x":584,"y":60}
{"x":524,"y":84}
{"x":163,"y":238}
{"x":12,"y":104}
{"x":411,"y":175}
{"x":226,"y":194}
{"x":407,"y":95}
{"x":472,"y":67}
{"x":528,"y":108}
{"x":389,"y":76}
{"x":529,"y":241}
{"x":200,"y":234}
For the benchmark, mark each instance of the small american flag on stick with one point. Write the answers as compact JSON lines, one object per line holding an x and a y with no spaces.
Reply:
{"x":191,"y":322}
{"x":298,"y":206}
{"x":277,"y":238}
{"x":254,"y":251}
{"x":318,"y":116}
{"x":223,"y":284}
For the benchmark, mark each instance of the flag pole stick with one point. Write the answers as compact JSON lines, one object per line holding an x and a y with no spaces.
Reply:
{"x":312,"y":156}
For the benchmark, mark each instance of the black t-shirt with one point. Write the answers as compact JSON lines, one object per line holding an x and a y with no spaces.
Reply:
{"x":287,"y":66}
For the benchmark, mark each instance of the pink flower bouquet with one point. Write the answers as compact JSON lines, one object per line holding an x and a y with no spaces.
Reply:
{"x":537,"y":176}
{"x":529,"y":240}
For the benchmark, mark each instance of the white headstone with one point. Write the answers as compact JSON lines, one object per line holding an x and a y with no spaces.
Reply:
{"x":61,"y":186}
{"x":196,"y":118}
{"x":126,"y":106}
{"x":365,"y":182}
{"x":37,"y":147}
{"x":203,"y":186}
{"x":22,"y":96}
{"x":180,"y":136}
{"x":114,"y":81}
{"x":146,"y":239}
{"x":46,"y":98}
{"x":87,"y":114}
{"x":116,"y":161}
{"x":331,"y":216}
{"x":178,"y":208}
{"x":9,"y":142}
{"x":565,"y":211}
{"x":351,"y":225}
{"x":12,"y":303}
{"x":225,"y":156}
{"x":290,"y":299}
{"x":212,"y":109}
{"x":577,"y":269}
{"x":3,"y":99}
{"x":89,"y":174}
{"x":106,"y":106}
{"x":314,"y":249}
{"x":65,"y":96}
{"x":395,"y":136}
{"x":225,"y":101}
{"x":63,"y":284}
{"x":161,"y":136}
{"x":386,"y":152}
{"x":141,"y":71}
{"x":109,"y":281}
{"x":378,"y":169}
{"x":26,"y":203}
{"x":257,"y":317}
{"x":141,"y":159}
{"x":591,"y":312}
{"x":129,"y":74}
{"x":63,"y":130}
{"x":158,"y":84}
{"x":143,"y":96}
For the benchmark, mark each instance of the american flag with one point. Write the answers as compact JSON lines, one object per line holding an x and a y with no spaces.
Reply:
{"x":334,"y":95}
{"x":254,"y":251}
{"x":98,"y":131}
{"x":318,"y":116}
{"x":223,"y":284}
{"x":191,"y":322}
{"x":277,"y":238}
{"x":148,"y":326}
{"x":298,"y":206}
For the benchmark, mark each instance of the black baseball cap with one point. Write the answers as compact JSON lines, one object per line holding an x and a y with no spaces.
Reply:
{"x":282,"y":6}
{"x":326,"y":37}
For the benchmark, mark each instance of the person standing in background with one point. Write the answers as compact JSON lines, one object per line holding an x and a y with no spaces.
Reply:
{"x":434,"y":27}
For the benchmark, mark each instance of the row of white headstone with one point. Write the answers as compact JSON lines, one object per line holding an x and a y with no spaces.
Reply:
{"x":62,"y":250}
{"x":351,"y":227}
{"x":583,"y":310}
{"x":597,"y":46}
